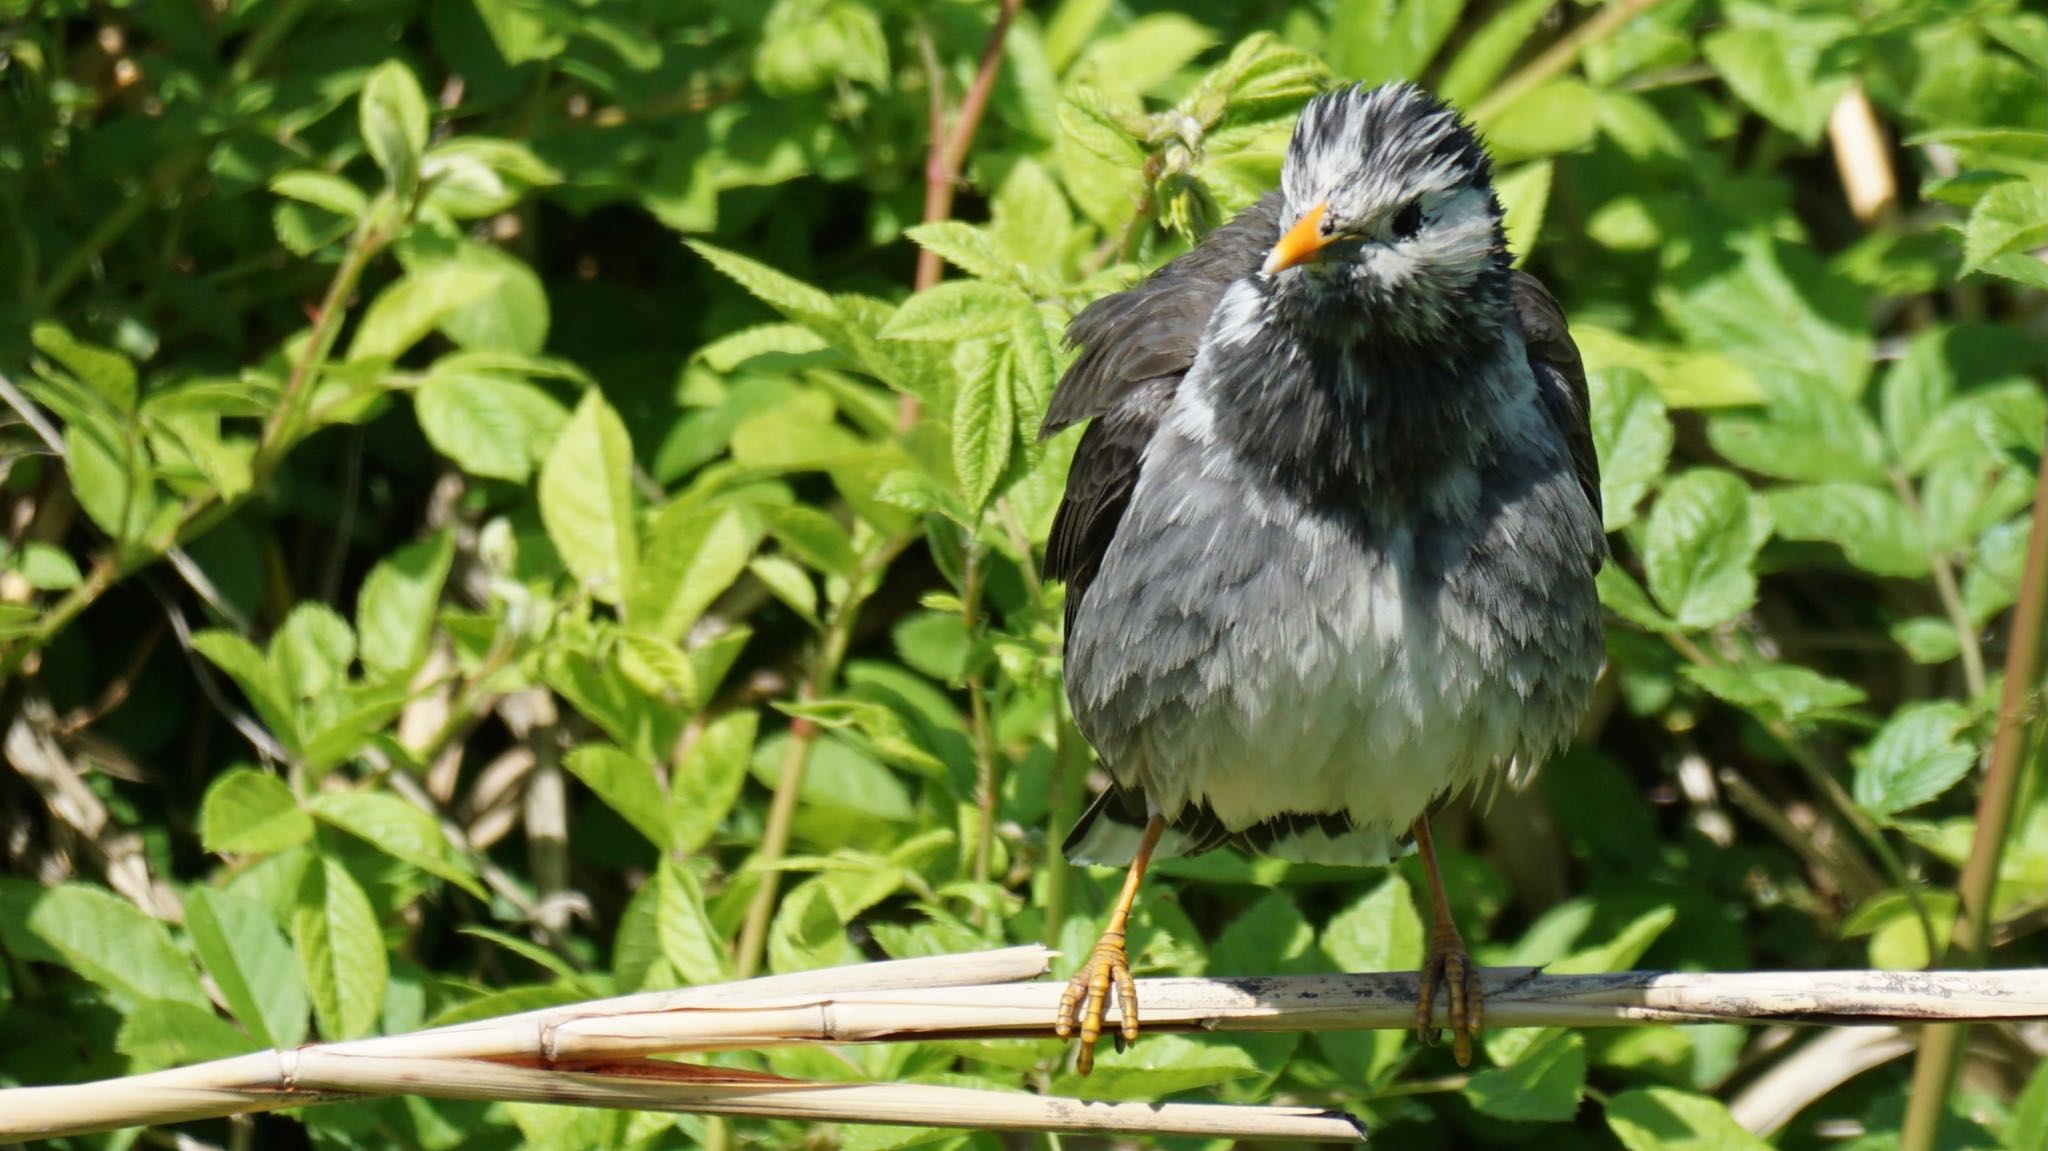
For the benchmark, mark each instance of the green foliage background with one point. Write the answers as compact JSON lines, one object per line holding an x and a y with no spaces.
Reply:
{"x":466,"y":455}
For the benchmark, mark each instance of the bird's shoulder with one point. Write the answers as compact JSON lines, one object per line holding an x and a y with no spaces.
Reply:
{"x":1134,"y":349}
{"x":1560,"y":377}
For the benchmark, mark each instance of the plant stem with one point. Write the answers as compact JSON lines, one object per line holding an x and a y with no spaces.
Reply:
{"x":789,"y":781}
{"x":1945,"y":586}
{"x":943,"y":161}
{"x":1559,"y":56}
{"x":1941,"y":1046}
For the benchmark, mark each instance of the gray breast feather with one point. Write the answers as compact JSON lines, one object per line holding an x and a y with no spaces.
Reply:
{"x":1262,"y":656}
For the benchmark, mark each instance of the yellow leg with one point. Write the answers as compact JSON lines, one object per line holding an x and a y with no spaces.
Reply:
{"x":1446,"y":964}
{"x":1087,"y":993}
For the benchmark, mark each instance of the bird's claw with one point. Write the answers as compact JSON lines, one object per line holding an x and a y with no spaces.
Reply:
{"x":1086,"y":1000}
{"x":1447,"y":965}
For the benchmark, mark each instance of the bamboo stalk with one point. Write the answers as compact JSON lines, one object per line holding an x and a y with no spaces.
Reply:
{"x":592,"y":1053}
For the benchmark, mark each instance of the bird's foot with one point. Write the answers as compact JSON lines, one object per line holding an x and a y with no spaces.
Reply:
{"x":1086,"y":999}
{"x":1448,"y":966}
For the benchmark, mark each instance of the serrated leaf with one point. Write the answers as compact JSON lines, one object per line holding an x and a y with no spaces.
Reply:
{"x":1158,"y":1066}
{"x":1667,"y":1119}
{"x":2011,"y":219}
{"x":815,"y":538}
{"x":392,"y":116}
{"x":1871,"y":526}
{"x":1632,"y":438}
{"x":1700,"y":547}
{"x":1776,"y":65}
{"x":395,"y":609}
{"x":659,"y":668}
{"x":241,"y":947}
{"x":107,"y":372}
{"x":1808,"y":430}
{"x":586,"y":500}
{"x":398,"y":829}
{"x":1917,"y":755}
{"x":1776,"y":690}
{"x":692,"y":554}
{"x":340,"y":950}
{"x":251,"y":811}
{"x":957,"y":310}
{"x":966,"y":247}
{"x":984,"y":429}
{"x":115,"y":944}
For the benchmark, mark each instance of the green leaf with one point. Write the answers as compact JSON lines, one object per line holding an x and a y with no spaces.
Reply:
{"x":489,"y":425}
{"x":167,"y":1033}
{"x":706,"y":781}
{"x":108,"y":373}
{"x":1778,"y":691}
{"x":420,"y":301}
{"x":1543,"y":1086}
{"x":393,"y":118}
{"x":1667,"y":1119}
{"x":984,"y":428}
{"x":1774,"y":62}
{"x":792,"y":297}
{"x":1700,"y":547}
{"x":966,"y":247}
{"x":1917,"y":755}
{"x":395,"y":609}
{"x":311,"y":652}
{"x":807,"y":44}
{"x":658,"y":667}
{"x":251,"y":811}
{"x":1159,"y":1066}
{"x":627,"y":785}
{"x":46,"y":567}
{"x":245,"y":953}
{"x":2011,"y":218}
{"x":1379,"y":932}
{"x":586,"y":499}
{"x":1524,"y":195}
{"x":511,"y":317}
{"x":1377,"y":40}
{"x":1269,"y":937}
{"x":1870,"y":526}
{"x":323,"y":190}
{"x":790,"y":583}
{"x":399,"y":830}
{"x":957,"y":310}
{"x":692,"y":555}
{"x":115,"y":944}
{"x":2029,"y":1115}
{"x":807,"y":932}
{"x":1776,"y":310}
{"x":251,"y":672}
{"x":688,"y":940}
{"x":815,"y":538}
{"x":1557,"y":116}
{"x":1632,"y":438}
{"x":1492,"y":47}
{"x":1809,"y":431}
{"x":341,"y":951}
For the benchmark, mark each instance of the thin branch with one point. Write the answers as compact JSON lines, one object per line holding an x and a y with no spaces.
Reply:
{"x":2019,"y":714}
{"x":943,"y":162}
{"x":1559,"y":56}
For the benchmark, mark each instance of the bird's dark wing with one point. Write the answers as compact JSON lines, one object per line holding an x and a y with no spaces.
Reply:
{"x":1560,"y":377}
{"x":1134,"y":348}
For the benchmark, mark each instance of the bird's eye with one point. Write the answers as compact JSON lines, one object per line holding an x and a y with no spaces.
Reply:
{"x":1408,"y":221}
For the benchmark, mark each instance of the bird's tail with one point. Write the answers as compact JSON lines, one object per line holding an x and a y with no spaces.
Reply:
{"x":1107,"y":835}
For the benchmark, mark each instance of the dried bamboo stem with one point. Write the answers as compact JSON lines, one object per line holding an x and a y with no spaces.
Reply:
{"x":593,"y":1053}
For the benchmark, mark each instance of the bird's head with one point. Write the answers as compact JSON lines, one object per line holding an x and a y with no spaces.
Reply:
{"x":1390,"y":223}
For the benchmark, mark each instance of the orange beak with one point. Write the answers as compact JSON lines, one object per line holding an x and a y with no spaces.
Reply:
{"x":1301,"y":243}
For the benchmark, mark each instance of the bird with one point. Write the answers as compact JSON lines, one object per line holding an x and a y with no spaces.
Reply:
{"x":1330,"y":536}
